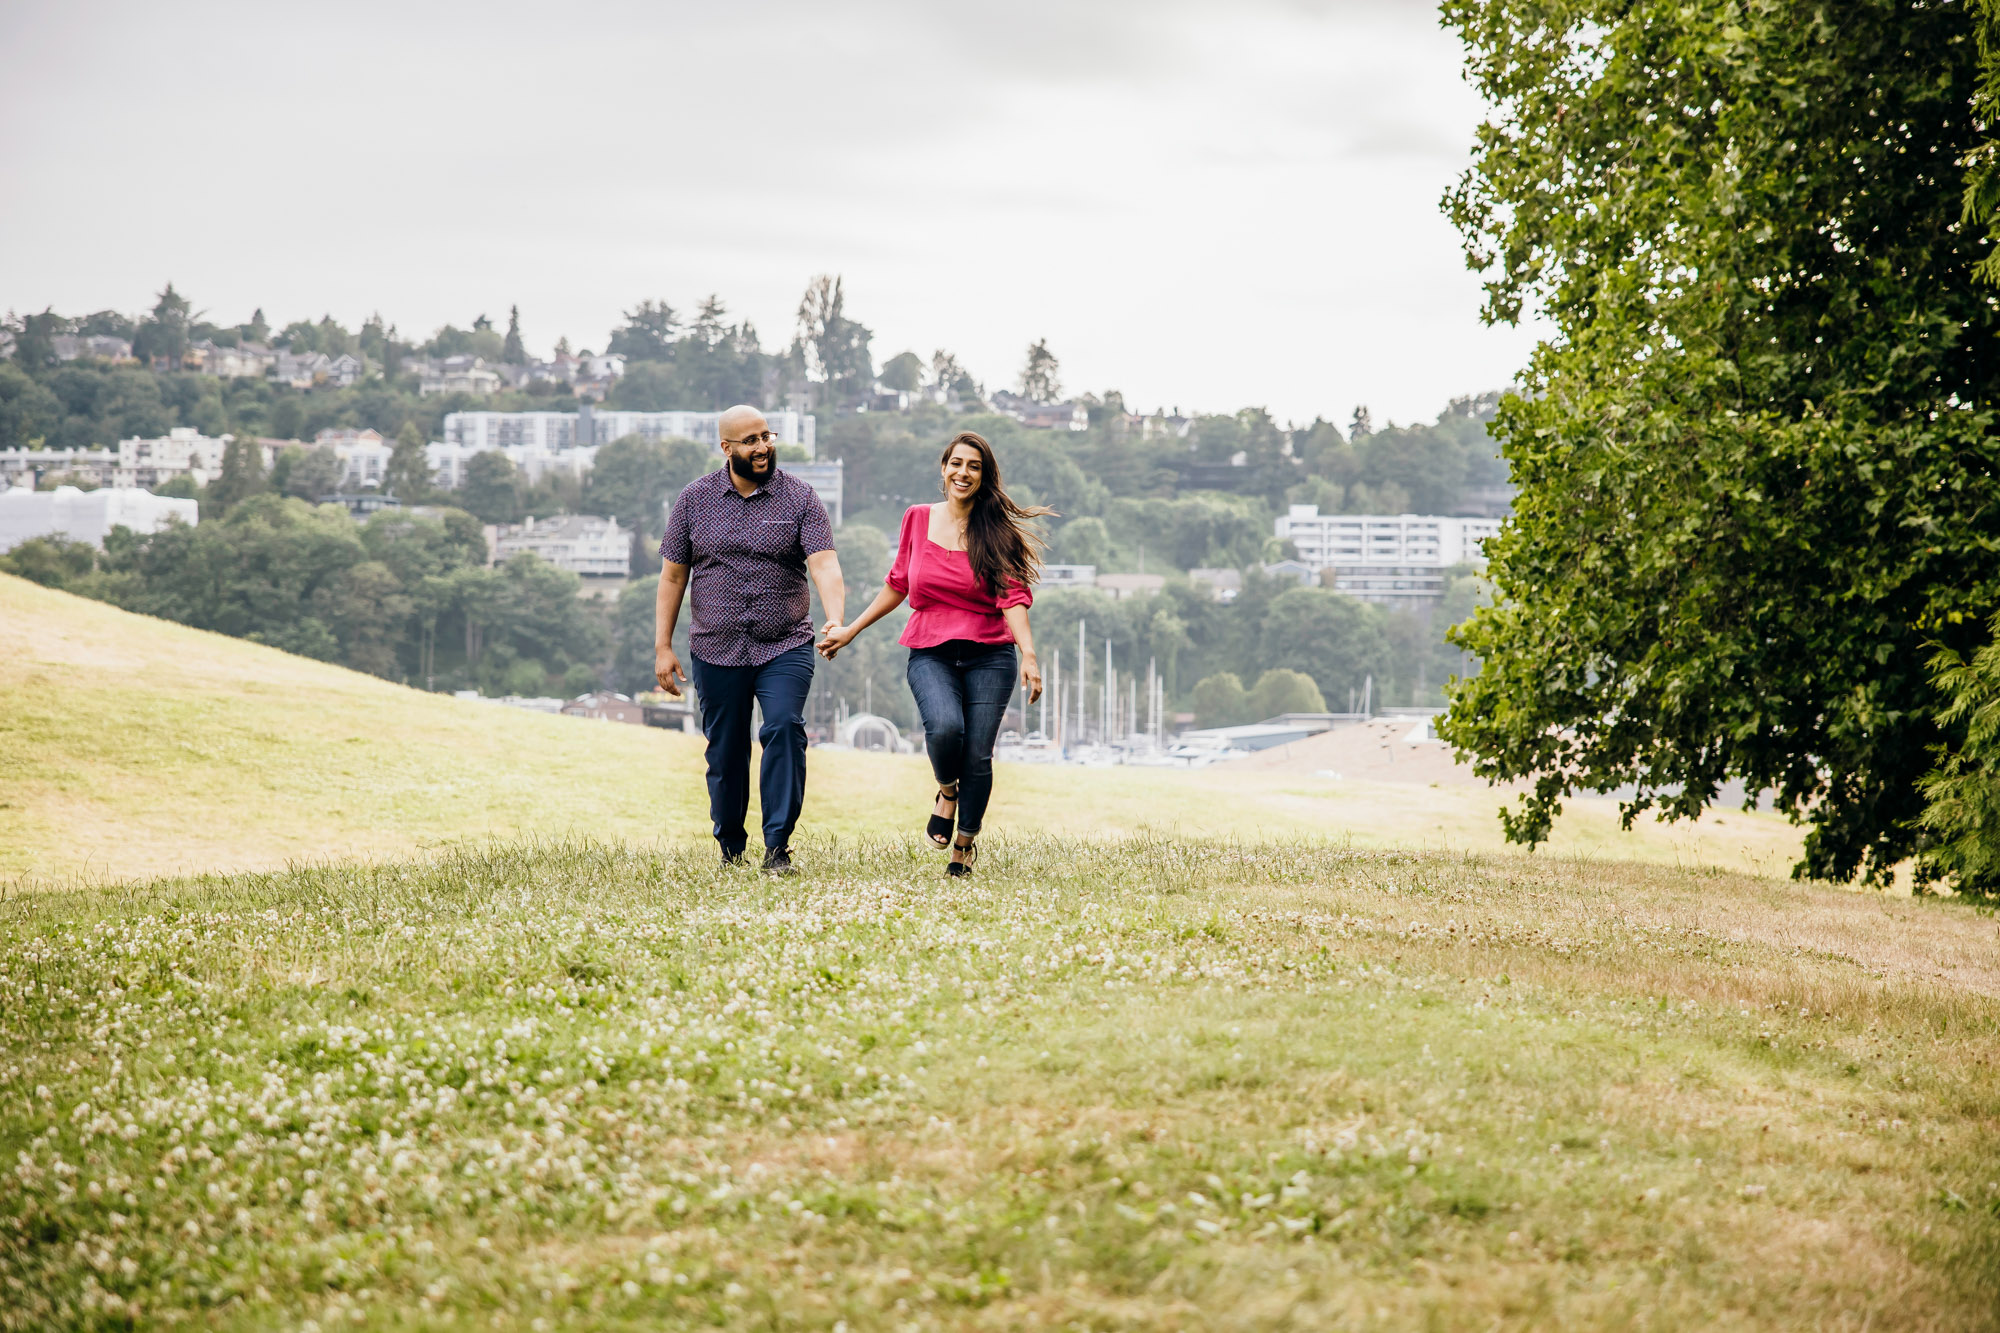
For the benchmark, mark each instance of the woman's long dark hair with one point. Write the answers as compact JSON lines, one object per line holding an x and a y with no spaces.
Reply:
{"x":1002,"y":547}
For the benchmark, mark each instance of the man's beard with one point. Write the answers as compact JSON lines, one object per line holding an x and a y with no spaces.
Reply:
{"x":746,"y":467}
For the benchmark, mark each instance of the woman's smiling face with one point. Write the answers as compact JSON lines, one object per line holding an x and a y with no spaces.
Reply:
{"x":964,"y":471}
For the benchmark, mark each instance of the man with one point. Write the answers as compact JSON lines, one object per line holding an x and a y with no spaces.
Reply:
{"x":750,"y":536}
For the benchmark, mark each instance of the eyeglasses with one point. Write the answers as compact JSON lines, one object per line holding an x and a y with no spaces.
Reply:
{"x":766,"y":438}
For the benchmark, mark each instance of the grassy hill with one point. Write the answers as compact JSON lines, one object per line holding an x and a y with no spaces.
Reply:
{"x":503,"y":1047}
{"x":132,"y":746}
{"x":1148,"y":1085}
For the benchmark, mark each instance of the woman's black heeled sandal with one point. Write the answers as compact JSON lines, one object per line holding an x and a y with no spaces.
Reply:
{"x":970,"y":853}
{"x":940,"y":827}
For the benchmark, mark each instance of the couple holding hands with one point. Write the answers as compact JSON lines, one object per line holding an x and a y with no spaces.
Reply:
{"x":742,"y":543}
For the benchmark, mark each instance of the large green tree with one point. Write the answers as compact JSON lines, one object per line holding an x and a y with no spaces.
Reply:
{"x":164,"y":337}
{"x":409,"y":470}
{"x":494,"y":488}
{"x":1335,"y":641}
{"x":631,"y":480}
{"x":1756,"y":457}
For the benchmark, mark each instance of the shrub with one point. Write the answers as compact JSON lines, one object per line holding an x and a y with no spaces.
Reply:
{"x":1220,"y":701}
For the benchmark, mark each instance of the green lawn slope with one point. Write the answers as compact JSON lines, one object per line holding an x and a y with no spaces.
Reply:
{"x":132,"y":746}
{"x":1148,"y":1085}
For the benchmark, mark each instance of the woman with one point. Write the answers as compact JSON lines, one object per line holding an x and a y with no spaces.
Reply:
{"x":966,"y":564}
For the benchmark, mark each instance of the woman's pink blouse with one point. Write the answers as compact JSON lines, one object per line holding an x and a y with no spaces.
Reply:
{"x":947,"y":601}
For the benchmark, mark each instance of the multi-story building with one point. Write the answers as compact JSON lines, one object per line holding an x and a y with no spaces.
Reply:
{"x":458,"y":374}
{"x":142,"y":463}
{"x":1399,"y":559}
{"x":825,"y":479}
{"x":512,"y":430}
{"x":363,"y":455}
{"x":599,"y":426}
{"x":1043,"y":416}
{"x":181,"y":452}
{"x":1068,"y":576}
{"x":590,"y":425}
{"x":583,"y":544}
{"x":448,"y":461}
{"x":100,"y":346}
{"x":302,"y":370}
{"x":27,"y":467}
{"x":245,"y":361}
{"x":86,"y":516}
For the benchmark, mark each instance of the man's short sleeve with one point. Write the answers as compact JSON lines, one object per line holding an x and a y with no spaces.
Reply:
{"x":675,"y":546}
{"x":815,"y":532}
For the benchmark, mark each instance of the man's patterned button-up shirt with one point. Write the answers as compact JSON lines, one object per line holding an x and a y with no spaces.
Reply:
{"x":747,"y":556}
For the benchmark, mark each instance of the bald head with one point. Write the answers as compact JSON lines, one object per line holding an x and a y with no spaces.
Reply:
{"x":741,"y":420}
{"x":747,"y":444}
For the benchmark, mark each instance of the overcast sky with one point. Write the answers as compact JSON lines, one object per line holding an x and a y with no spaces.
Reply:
{"x":1205,"y":205}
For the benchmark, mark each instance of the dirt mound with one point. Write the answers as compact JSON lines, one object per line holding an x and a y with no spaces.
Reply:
{"x":1384,"y":749}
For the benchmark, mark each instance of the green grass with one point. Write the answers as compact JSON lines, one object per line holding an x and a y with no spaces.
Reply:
{"x":131,"y":746}
{"x":1151,"y":1085}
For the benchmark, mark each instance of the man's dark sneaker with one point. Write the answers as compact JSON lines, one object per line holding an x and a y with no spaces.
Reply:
{"x":732,"y":858}
{"x":778,"y":861}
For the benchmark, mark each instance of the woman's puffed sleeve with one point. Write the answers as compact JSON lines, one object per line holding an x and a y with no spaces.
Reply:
{"x":899,"y":573}
{"x":1016,"y":593}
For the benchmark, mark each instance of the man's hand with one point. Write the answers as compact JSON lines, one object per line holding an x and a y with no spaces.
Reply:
{"x":667,"y":670}
{"x":838,"y":636}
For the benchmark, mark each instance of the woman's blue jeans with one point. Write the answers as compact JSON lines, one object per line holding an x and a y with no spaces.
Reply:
{"x":962,"y":690}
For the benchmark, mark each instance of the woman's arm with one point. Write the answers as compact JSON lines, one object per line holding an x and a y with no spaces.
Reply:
{"x":840,"y":636}
{"x":1031,"y":668}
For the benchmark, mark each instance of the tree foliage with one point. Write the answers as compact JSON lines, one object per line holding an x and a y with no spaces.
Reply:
{"x":1756,"y":460}
{"x":903,"y":372}
{"x":493,"y":487}
{"x":404,"y":596}
{"x":1041,"y":374}
{"x":632,"y":480}
{"x":712,"y":364}
{"x":1963,"y":814}
{"x":832,"y":347}
{"x":647,"y":334}
{"x":163,"y":337}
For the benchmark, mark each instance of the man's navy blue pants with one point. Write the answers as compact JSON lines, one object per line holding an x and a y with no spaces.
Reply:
{"x":726,"y":694}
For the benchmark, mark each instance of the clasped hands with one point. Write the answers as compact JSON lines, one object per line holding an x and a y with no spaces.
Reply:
{"x":838,"y":636}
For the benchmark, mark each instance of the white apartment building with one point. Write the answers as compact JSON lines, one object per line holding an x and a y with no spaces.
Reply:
{"x":447,"y":461}
{"x":1393,"y":559}
{"x":511,"y":430}
{"x":702,"y":427}
{"x":27,"y":467}
{"x":363,"y":455}
{"x":592,"y":425}
{"x":584,"y":544}
{"x":1068,"y":576}
{"x":86,"y":516}
{"x":826,"y":481}
{"x":142,"y":463}
{"x":181,"y":452}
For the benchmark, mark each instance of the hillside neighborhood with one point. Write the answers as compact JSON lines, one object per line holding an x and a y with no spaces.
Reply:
{"x":1203,"y":572}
